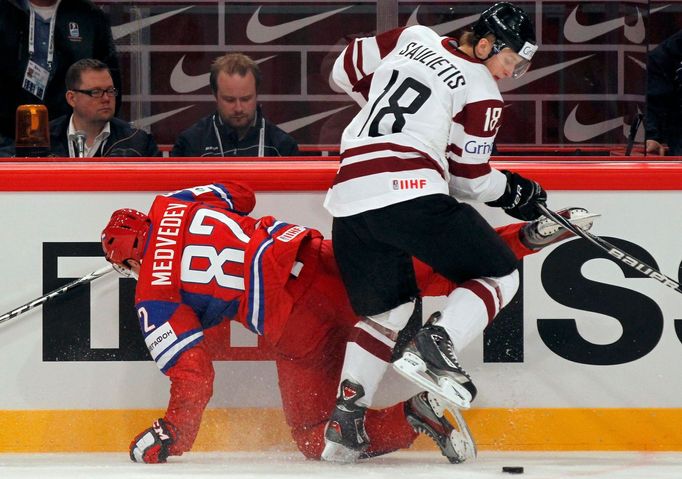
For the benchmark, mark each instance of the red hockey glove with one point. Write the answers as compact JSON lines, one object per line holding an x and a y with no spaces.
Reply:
{"x":521,"y":197}
{"x":151,"y":445}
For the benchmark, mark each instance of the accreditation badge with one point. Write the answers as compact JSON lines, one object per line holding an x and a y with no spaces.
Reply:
{"x":35,"y":79}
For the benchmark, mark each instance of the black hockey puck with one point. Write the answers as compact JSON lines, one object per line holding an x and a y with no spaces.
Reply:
{"x":512,"y":469}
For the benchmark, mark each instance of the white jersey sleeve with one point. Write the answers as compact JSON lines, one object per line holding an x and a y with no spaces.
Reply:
{"x":476,"y":119}
{"x":357,"y":62}
{"x":427,"y":126}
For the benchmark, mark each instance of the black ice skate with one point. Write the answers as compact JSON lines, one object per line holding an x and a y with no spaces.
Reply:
{"x":345,"y":436}
{"x":426,"y":415}
{"x":431,"y":363}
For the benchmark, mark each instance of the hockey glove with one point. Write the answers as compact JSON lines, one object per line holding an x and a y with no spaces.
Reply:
{"x":151,"y":445}
{"x":521,"y":197}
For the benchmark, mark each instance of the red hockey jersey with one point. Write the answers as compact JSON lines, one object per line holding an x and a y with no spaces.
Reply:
{"x":206,"y":261}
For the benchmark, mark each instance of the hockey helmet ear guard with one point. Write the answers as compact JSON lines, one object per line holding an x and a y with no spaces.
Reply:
{"x":125,"y":236}
{"x":512,"y":29}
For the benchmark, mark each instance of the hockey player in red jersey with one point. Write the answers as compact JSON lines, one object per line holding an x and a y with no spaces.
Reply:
{"x":418,"y":148}
{"x":200,"y":260}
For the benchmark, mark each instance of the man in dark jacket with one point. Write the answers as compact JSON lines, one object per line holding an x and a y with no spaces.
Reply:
{"x":92,"y":131}
{"x":664,"y":98}
{"x":238,"y":128}
{"x":78,"y":29}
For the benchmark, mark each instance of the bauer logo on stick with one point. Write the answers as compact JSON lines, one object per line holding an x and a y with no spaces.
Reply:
{"x":643,"y":268}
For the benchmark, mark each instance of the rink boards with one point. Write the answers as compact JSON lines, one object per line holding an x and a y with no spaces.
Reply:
{"x":584,"y":358}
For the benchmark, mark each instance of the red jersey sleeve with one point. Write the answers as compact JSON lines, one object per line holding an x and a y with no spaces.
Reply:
{"x":229,"y":195}
{"x":191,"y":389}
{"x":270,"y":261}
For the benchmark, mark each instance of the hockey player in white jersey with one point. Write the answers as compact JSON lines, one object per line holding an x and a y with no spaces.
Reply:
{"x":419,"y":145}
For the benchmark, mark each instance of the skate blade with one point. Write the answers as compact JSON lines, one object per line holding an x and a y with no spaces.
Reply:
{"x":413,"y":368}
{"x":461,"y":439}
{"x":334,"y":452}
{"x":583,"y":219}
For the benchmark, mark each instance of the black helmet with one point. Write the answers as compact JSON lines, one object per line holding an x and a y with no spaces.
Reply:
{"x":510,"y":25}
{"x":512,"y":28}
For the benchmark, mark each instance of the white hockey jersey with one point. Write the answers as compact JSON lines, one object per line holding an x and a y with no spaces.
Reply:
{"x":428,"y":124}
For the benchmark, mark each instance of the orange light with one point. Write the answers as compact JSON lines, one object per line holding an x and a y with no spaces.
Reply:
{"x":32,"y":131}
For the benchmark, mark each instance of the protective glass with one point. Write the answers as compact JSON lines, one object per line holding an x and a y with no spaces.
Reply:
{"x":521,"y":68}
{"x":523,"y":64}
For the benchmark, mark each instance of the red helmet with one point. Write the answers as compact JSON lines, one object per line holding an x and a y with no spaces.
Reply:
{"x":125,"y":236}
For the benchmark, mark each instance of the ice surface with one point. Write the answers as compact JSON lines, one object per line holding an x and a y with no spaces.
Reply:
{"x":412,"y":465}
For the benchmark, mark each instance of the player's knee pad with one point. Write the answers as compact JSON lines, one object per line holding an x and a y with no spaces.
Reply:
{"x":394,"y":319}
{"x":507,"y":286}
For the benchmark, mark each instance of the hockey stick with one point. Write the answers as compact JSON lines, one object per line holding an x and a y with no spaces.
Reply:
{"x":45,"y":298}
{"x":612,"y":250}
{"x":633,"y":133}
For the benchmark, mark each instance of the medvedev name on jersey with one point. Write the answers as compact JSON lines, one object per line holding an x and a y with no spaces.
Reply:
{"x":164,"y":251}
{"x":424,"y":55}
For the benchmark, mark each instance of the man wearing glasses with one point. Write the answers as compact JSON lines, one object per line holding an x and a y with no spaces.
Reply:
{"x":92,"y":131}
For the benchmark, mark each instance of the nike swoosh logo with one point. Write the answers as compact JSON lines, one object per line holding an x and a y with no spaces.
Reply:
{"x":639,"y":63}
{"x":299,"y":123}
{"x":658,"y":9}
{"x":259,"y":33}
{"x":575,"y":32}
{"x":445,"y":27}
{"x":579,"y":132}
{"x":181,"y":82}
{"x":150,"y":120}
{"x":120,"y":31}
{"x":508,"y":84}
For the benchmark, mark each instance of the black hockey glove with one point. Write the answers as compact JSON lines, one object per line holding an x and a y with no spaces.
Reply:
{"x":151,"y":445}
{"x":521,"y":197}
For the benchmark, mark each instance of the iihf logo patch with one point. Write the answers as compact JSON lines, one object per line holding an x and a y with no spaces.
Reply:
{"x":409,"y":184}
{"x":74,"y":32}
{"x":291,"y":233}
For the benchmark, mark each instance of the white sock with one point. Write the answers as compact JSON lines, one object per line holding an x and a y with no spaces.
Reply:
{"x":368,"y":355}
{"x":464,"y":317}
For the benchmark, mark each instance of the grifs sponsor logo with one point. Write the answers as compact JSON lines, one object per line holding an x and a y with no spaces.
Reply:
{"x":479,"y":148}
{"x":409,"y":184}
